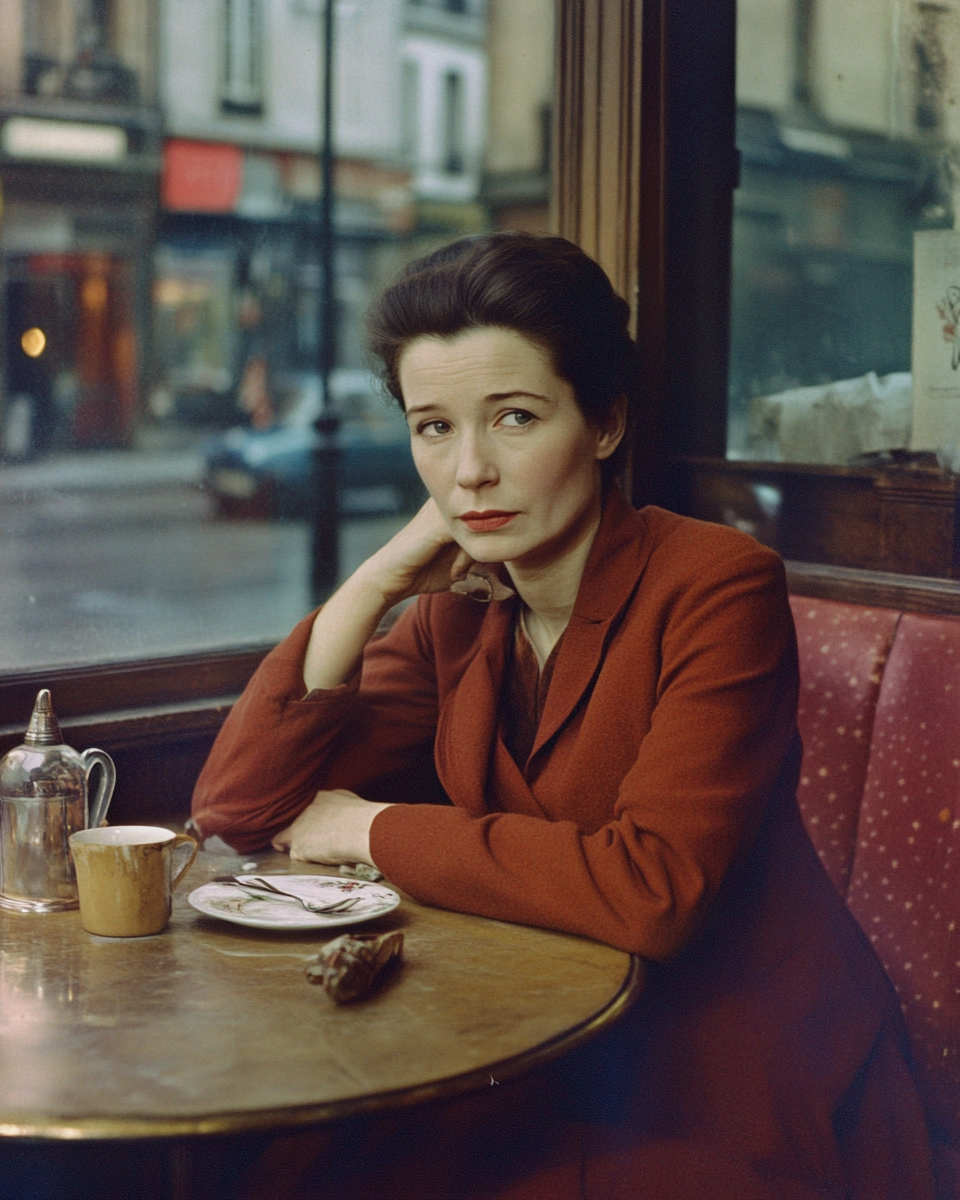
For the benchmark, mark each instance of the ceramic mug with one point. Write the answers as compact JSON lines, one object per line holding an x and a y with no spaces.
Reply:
{"x":126,"y":875}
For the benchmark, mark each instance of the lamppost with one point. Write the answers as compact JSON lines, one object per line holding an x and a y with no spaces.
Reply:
{"x":325,"y":515}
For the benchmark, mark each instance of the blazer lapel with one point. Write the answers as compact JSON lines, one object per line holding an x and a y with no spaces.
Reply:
{"x":612,"y":575}
{"x":469,"y":720}
{"x":513,"y":791}
{"x":577,"y":663}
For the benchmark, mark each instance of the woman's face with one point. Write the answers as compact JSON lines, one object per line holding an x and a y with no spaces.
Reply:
{"x":502,"y":445}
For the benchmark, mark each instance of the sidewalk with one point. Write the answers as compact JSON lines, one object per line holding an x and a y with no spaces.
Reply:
{"x":103,"y":470}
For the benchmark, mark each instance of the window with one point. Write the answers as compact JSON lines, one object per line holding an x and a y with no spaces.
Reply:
{"x":453,"y":122}
{"x":143,"y":513}
{"x":243,"y":33}
{"x":410,"y":112}
{"x":77,"y":50}
{"x":842,"y":386}
{"x":666,"y":252}
{"x":841,"y":130}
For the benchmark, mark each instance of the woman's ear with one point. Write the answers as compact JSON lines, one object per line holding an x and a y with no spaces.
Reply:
{"x":610,"y":434}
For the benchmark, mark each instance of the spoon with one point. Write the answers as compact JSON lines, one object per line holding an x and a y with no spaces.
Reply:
{"x":261,"y":885}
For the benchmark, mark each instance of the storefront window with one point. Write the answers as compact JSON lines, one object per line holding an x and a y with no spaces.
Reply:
{"x":160,"y":277}
{"x":194,"y":331}
{"x":849,"y":133}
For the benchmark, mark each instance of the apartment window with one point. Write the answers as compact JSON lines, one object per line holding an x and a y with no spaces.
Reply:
{"x":453,"y":120}
{"x":243,"y":57}
{"x":409,"y":111}
{"x":72,"y":51}
{"x":545,"y":116}
{"x":932,"y":68}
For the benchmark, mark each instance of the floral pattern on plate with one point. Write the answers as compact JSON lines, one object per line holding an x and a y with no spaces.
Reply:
{"x":229,"y":903}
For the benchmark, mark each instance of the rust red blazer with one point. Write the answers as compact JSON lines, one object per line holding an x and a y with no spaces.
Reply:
{"x":656,"y":813}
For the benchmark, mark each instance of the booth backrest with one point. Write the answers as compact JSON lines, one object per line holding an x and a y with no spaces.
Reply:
{"x":843,"y":649}
{"x":880,"y":794}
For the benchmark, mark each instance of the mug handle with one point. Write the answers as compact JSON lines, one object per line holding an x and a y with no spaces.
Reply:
{"x":97,"y":811}
{"x":183,"y":846}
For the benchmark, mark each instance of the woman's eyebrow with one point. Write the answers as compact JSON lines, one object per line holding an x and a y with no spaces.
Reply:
{"x":496,"y":397}
{"x":493,"y":398}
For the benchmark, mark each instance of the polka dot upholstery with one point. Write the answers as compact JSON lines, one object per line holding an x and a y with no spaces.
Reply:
{"x":843,"y":648}
{"x":905,"y":884}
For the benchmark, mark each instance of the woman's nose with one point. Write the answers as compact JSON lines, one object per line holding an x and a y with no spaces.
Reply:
{"x":475,"y":465}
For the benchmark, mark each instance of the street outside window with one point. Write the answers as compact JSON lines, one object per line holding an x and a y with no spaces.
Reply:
{"x":160,"y":293}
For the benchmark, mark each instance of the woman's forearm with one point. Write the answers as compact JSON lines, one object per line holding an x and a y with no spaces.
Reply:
{"x":341,"y":631}
{"x":422,"y":557}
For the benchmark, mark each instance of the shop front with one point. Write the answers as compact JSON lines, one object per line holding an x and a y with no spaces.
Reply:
{"x":236,"y":277}
{"x":75,"y":243}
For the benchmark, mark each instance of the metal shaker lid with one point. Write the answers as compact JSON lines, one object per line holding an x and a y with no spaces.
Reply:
{"x":43,"y":729}
{"x":42,"y":766}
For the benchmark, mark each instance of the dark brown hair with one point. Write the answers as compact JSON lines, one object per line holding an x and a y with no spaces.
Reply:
{"x":545,"y":288}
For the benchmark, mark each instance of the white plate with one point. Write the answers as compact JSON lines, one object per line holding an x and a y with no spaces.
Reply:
{"x":229,"y":903}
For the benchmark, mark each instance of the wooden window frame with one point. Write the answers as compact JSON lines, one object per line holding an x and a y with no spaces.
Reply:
{"x":644,"y":172}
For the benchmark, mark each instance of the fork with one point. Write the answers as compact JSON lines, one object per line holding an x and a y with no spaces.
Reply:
{"x":261,"y":885}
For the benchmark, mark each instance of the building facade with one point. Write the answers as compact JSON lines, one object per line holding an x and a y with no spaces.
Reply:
{"x":237,"y":275}
{"x":517,"y":166}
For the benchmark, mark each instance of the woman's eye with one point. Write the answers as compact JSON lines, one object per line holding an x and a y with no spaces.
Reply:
{"x":433,"y":428}
{"x":517,"y":417}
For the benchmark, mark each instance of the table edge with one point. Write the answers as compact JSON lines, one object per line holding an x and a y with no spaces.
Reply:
{"x":274,"y":1119}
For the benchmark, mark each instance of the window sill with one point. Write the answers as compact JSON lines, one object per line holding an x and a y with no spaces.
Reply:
{"x":895,"y":519}
{"x":122,"y":705}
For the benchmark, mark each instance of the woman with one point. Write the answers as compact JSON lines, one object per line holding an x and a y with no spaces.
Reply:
{"x":617,"y":742}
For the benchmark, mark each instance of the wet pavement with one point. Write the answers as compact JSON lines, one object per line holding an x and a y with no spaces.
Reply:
{"x":127,"y":558}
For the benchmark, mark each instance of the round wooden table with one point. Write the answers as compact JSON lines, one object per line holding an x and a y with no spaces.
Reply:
{"x":210,"y":1028}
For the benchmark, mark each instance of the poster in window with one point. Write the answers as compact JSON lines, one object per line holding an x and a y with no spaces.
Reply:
{"x":936,"y":339}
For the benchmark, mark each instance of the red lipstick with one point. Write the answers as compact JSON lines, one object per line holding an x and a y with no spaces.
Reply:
{"x":488,"y":521}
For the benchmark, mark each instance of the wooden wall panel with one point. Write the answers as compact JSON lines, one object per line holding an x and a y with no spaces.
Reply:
{"x":900,"y":520}
{"x":597,"y":136}
{"x":645,"y":167}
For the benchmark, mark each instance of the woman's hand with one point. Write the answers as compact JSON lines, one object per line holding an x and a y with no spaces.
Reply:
{"x":422,"y":557}
{"x":334,"y":828}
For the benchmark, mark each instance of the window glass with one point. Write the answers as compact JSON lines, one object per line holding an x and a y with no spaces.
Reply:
{"x":848,"y":133}
{"x":160,"y":278}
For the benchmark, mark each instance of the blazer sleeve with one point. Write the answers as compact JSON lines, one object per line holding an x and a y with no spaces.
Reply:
{"x":279,"y":745}
{"x":723,"y":731}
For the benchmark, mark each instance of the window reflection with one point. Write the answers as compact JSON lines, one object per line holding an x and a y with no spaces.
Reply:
{"x":159,"y":279}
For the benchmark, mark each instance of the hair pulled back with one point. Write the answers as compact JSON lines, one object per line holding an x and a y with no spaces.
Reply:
{"x":544,"y":288}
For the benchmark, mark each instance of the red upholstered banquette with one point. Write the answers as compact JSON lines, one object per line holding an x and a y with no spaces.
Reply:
{"x":880,"y":794}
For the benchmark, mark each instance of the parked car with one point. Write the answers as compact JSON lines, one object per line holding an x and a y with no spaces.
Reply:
{"x":267,"y":472}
